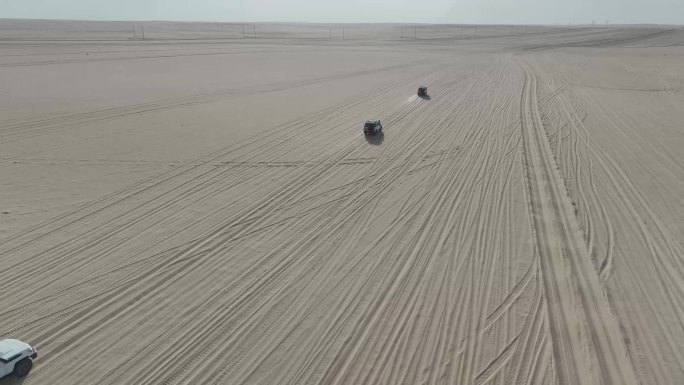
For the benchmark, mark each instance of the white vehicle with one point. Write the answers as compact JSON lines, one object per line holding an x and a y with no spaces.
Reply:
{"x":16,"y":358}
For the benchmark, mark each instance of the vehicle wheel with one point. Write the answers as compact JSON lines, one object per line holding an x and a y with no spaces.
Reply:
{"x":23,"y":367}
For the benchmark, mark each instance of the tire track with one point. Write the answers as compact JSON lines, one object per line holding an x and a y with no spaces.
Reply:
{"x":557,"y":236}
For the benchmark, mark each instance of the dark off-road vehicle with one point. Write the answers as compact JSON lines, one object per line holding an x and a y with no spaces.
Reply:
{"x":372,"y":127}
{"x":422,"y":91}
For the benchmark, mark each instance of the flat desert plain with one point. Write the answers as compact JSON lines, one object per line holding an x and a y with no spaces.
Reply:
{"x":201,"y":207}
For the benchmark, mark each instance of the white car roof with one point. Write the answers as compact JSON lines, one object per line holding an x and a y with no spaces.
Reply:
{"x":9,"y":348}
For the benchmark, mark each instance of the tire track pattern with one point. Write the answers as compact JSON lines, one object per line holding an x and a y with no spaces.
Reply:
{"x":357,"y":263}
{"x":566,"y":268}
{"x":443,"y":253}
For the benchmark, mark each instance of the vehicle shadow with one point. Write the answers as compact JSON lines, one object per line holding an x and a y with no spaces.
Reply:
{"x":12,"y":380}
{"x":375,"y":140}
{"x":425,"y":97}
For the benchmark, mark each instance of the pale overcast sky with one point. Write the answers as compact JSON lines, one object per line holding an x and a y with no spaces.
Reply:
{"x":327,"y":11}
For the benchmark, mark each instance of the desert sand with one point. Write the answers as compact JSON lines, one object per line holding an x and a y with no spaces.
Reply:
{"x":201,"y":207}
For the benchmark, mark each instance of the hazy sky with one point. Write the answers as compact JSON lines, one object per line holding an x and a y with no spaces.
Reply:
{"x":325,"y":11}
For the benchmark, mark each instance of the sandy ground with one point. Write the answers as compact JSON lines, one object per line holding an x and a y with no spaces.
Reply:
{"x":204,"y":209}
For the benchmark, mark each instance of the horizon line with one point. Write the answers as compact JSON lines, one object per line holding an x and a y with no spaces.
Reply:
{"x":337,"y":22}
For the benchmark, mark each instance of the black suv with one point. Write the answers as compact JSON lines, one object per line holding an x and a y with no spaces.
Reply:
{"x":372,"y":127}
{"x":422,"y":91}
